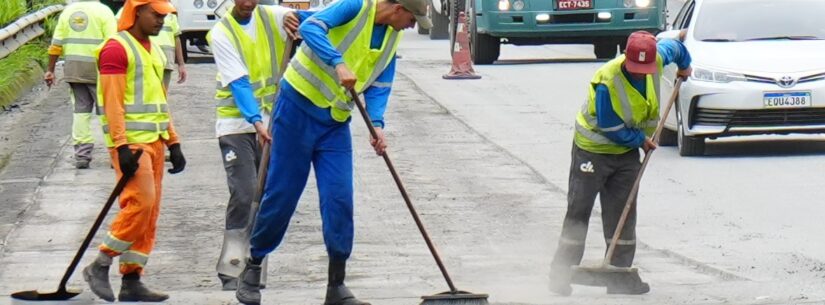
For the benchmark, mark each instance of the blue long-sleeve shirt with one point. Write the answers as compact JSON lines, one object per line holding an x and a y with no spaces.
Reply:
{"x":314,"y":29}
{"x":612,"y":126}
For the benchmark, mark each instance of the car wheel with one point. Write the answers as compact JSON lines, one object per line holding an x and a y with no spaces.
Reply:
{"x":441,"y":25}
{"x":422,"y":31}
{"x":668,"y":138}
{"x":484,"y":49}
{"x":688,"y":145}
{"x":605,"y":50}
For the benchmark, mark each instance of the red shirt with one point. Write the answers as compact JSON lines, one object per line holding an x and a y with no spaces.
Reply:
{"x":113,"y":58}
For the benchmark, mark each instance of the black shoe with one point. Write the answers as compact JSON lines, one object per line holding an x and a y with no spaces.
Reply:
{"x":337,"y":292}
{"x":228,"y":283}
{"x":136,"y":291}
{"x":82,"y":164}
{"x":628,"y":284}
{"x":249,"y":285}
{"x":97,"y":276}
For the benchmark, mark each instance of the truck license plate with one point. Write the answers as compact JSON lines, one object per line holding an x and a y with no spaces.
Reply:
{"x":564,"y":5}
{"x":787,"y":99}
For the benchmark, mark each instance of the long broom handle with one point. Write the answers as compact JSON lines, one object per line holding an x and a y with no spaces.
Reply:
{"x":632,"y":196}
{"x":404,"y":194}
{"x":121,"y":184}
{"x":263,"y":166}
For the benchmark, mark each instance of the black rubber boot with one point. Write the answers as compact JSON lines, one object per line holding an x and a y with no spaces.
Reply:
{"x":337,"y":292}
{"x":630,"y":283}
{"x":133,"y":290}
{"x":560,"y":282}
{"x":249,"y":284}
{"x":97,"y":275}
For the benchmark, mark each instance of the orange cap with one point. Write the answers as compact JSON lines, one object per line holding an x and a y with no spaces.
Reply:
{"x":127,"y":18}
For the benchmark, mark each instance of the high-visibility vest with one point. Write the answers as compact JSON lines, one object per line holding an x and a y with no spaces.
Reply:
{"x":80,"y":30}
{"x":318,"y":81}
{"x":144,"y":102}
{"x":260,"y":56}
{"x":636,"y":110}
{"x":166,"y":39}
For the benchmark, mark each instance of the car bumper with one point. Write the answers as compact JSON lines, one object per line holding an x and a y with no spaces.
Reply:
{"x":737,"y":108}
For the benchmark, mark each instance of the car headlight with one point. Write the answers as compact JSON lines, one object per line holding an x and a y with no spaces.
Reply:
{"x":198,"y":3}
{"x":642,"y":3}
{"x":212,"y":3}
{"x":708,"y":75}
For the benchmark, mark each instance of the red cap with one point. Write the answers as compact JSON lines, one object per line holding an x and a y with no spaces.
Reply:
{"x":640,"y":55}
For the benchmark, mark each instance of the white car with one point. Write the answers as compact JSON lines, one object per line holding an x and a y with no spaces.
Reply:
{"x":758,"y":68}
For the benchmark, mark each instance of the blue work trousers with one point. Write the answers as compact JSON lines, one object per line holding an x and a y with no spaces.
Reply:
{"x":298,"y":141}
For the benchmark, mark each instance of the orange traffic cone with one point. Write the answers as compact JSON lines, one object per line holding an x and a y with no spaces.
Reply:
{"x":462,"y":64}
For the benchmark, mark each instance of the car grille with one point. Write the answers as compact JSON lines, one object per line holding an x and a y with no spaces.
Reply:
{"x":768,"y":80}
{"x":759,"y":117}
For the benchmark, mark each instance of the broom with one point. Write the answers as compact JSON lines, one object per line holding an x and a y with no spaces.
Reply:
{"x":454,"y":296}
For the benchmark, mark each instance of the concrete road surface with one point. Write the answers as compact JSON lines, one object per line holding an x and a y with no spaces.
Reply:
{"x":486,"y":163}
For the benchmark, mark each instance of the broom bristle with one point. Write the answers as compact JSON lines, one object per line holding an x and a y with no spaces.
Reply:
{"x":457,"y":298}
{"x":456,"y":302}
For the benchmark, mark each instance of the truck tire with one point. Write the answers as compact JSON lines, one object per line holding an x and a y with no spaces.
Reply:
{"x":605,"y":50}
{"x":484,"y":49}
{"x":422,"y":31}
{"x":441,"y":25}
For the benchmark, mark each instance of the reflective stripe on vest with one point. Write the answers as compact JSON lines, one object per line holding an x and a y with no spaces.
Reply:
{"x":146,"y":112}
{"x":262,"y":80}
{"x":319,"y":83}
{"x":589,"y":136}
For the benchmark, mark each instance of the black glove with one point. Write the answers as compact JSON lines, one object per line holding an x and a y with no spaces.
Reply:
{"x":128,"y":162}
{"x":176,"y":156}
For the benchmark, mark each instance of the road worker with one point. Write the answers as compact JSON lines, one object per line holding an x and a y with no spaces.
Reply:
{"x":619,"y":117}
{"x":349,"y":44}
{"x":80,"y":29}
{"x":133,"y":98}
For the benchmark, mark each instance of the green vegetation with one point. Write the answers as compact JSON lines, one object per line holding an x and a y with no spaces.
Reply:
{"x":16,"y":69}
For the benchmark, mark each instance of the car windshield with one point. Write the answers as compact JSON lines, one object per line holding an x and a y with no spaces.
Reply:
{"x":743,"y":20}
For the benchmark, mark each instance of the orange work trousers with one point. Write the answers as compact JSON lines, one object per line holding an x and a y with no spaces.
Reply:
{"x":132,"y":234}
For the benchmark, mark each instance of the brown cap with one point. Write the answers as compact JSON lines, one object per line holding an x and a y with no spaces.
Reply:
{"x":640,"y":55}
{"x":127,"y":18}
{"x":419,"y":9}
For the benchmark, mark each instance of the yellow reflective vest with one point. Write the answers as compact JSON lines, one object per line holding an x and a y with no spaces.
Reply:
{"x":319,"y":83}
{"x":636,"y":110}
{"x":261,"y":57}
{"x":80,"y":30}
{"x":146,"y":111}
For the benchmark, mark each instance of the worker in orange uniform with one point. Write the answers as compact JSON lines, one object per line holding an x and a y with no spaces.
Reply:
{"x":132,"y":96}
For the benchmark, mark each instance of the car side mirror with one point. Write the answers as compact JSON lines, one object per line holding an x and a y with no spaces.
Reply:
{"x":672,"y":34}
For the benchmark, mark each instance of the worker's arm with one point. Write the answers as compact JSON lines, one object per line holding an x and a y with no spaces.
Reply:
{"x":315,"y":28}
{"x":378,"y":94}
{"x":112,"y":65}
{"x":611,"y":125}
{"x":178,"y":49}
{"x":245,"y":99}
{"x":56,"y":48}
{"x":673,"y":51}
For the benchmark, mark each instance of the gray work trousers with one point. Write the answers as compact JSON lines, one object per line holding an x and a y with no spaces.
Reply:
{"x":241,"y":155}
{"x":84,"y":101}
{"x":611,"y":177}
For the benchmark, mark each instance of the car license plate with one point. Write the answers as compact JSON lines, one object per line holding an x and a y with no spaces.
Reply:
{"x":564,"y":5}
{"x":787,"y":99}
{"x":298,"y":5}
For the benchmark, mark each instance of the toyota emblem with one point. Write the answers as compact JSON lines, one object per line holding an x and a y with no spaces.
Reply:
{"x":786,"y":82}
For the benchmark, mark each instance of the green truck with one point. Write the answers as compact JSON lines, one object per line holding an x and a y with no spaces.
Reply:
{"x":603,"y":23}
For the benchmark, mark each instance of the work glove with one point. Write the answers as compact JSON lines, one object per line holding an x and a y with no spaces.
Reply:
{"x":128,"y":162}
{"x":176,"y":156}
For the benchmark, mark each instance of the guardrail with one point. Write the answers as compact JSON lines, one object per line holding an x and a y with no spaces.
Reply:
{"x":25,"y":29}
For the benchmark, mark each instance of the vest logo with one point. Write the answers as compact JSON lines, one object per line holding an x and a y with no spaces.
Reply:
{"x":587,"y":167}
{"x":79,"y":21}
{"x":230,"y":156}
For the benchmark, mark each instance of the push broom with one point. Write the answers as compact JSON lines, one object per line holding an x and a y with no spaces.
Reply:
{"x":454,"y":296}
{"x":602,"y":274}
